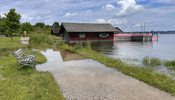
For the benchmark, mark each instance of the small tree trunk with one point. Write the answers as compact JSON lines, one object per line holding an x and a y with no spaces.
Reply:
{"x":11,"y":37}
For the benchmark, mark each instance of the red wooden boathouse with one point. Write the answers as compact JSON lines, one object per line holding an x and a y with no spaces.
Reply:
{"x":74,"y":32}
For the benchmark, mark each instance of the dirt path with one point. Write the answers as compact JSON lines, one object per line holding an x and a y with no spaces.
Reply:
{"x":90,"y":80}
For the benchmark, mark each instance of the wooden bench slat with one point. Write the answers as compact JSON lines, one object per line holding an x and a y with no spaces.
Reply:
{"x":18,"y":51}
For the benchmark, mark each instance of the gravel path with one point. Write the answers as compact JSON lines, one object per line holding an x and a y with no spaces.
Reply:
{"x":90,"y":80}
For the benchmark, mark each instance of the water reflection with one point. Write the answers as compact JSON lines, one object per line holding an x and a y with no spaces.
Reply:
{"x":69,"y":56}
{"x":124,"y":50}
{"x":162,"y":49}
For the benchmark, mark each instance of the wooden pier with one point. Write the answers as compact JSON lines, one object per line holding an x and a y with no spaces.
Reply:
{"x":135,"y":37}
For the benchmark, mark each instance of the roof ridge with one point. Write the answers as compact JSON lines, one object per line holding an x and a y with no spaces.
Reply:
{"x":83,"y":23}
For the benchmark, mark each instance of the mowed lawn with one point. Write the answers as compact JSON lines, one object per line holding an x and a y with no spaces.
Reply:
{"x":5,"y":42}
{"x":27,"y":84}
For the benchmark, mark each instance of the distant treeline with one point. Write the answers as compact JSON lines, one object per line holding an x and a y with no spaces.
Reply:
{"x":164,"y":32}
{"x":155,"y":32}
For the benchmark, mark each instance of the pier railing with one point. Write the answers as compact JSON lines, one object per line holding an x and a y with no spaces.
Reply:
{"x":137,"y":36}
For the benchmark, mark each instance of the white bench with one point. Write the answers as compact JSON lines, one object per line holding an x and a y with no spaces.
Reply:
{"x":25,"y":60}
{"x":25,"y":40}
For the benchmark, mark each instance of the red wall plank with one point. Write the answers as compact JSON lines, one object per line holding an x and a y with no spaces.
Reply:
{"x":90,"y":36}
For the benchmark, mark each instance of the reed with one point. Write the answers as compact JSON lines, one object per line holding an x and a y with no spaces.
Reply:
{"x":155,"y":61}
{"x":146,"y":60}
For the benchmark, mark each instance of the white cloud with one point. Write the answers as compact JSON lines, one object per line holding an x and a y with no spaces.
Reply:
{"x":38,"y":18}
{"x":68,"y":14}
{"x":26,"y":17}
{"x":101,"y":20}
{"x":127,"y":13}
{"x":114,"y":22}
{"x":128,"y":7}
{"x":48,"y":21}
{"x":137,"y":25}
{"x":108,"y":7}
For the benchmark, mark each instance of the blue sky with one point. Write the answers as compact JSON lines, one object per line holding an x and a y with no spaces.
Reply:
{"x":129,"y":15}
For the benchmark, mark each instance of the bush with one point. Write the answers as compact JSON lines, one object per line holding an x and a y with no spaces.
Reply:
{"x":78,"y":46}
{"x":61,"y":43}
{"x":50,"y":41}
{"x":88,"y":45}
{"x":38,"y":39}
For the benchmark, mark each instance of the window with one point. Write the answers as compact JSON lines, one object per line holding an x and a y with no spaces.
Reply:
{"x":103,"y":35}
{"x":81,"y":35}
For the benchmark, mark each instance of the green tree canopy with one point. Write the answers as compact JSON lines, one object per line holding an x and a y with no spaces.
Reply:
{"x":12,"y":21}
{"x":2,"y":24}
{"x":40,"y":24}
{"x":26,"y":27}
{"x":55,"y":25}
{"x":1,"y":18}
{"x":48,"y":27}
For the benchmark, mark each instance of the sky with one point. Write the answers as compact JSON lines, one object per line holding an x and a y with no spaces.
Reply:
{"x":128,"y":15}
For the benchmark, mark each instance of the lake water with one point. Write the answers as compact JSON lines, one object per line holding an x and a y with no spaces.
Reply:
{"x":163,"y":48}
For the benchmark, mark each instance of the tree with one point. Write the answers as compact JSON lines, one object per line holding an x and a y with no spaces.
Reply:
{"x":1,"y":20}
{"x":2,"y":24}
{"x":26,"y":27}
{"x":48,"y":27}
{"x":12,"y":21}
{"x":40,"y":24}
{"x":55,"y":25}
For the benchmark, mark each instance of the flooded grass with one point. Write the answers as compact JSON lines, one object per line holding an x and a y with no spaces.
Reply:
{"x":151,"y":61}
{"x":157,"y":62}
{"x":170,"y":64}
{"x":147,"y":75}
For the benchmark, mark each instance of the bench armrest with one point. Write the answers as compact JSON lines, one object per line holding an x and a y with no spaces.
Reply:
{"x":32,"y":52}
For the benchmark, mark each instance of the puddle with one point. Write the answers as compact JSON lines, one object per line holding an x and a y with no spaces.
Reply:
{"x":81,"y":78}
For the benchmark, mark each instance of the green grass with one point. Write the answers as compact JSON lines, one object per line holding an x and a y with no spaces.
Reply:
{"x":27,"y":84}
{"x":146,"y":75}
{"x":5,"y":42}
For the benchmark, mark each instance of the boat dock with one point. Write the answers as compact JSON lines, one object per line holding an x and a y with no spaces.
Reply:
{"x":135,"y":37}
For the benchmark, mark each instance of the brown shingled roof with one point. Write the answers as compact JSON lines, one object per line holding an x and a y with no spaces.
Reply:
{"x":56,"y":30}
{"x":119,"y":29}
{"x":88,"y":27}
